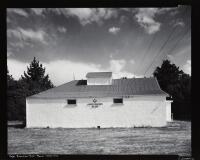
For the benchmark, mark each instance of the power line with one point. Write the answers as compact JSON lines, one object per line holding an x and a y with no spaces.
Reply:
{"x":178,"y":41}
{"x":150,"y":44}
{"x":164,"y":44}
{"x":144,"y":55}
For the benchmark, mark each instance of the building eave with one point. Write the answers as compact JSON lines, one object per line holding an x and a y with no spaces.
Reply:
{"x":78,"y":97}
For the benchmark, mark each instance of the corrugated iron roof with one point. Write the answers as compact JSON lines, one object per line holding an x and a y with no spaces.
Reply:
{"x":119,"y":88}
{"x":99,"y":74}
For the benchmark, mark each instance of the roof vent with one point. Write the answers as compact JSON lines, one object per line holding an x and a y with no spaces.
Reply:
{"x":99,"y":78}
{"x":99,"y":75}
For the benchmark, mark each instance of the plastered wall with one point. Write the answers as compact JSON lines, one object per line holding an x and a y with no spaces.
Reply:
{"x":134,"y":112}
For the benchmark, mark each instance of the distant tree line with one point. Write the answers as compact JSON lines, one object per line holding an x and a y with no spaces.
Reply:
{"x":178,"y":85}
{"x":31,"y":82}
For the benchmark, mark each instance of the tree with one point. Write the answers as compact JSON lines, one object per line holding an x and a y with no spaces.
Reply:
{"x":170,"y":78}
{"x":35,"y":80}
{"x":185,"y":83}
{"x":9,"y":78}
{"x":177,"y":84}
{"x":14,"y":103}
{"x":167,"y":75}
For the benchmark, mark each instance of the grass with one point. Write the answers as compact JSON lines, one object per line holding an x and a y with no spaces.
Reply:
{"x":173,"y":139}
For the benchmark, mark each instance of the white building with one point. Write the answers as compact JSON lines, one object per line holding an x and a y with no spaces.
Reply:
{"x":100,"y":101}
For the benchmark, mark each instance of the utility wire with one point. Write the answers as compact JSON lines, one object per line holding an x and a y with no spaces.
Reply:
{"x":178,"y":41}
{"x":164,"y":44}
{"x":159,"y":51}
{"x":149,"y":47}
{"x":145,"y":54}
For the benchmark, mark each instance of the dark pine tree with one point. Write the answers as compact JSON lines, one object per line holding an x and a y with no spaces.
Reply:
{"x":178,"y":85}
{"x":35,"y":80}
{"x":10,"y":79}
{"x":173,"y":80}
{"x":14,"y":95}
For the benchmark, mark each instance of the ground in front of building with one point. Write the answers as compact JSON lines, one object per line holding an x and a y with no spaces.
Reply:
{"x":173,"y":139}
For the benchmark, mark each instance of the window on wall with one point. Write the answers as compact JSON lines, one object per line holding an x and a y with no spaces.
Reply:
{"x":71,"y":101}
{"x":118,"y":100}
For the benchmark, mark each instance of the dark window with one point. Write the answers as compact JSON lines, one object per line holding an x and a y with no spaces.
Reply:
{"x":71,"y":101}
{"x":117,"y":100}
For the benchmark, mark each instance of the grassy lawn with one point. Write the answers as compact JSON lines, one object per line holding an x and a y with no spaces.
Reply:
{"x":173,"y":139}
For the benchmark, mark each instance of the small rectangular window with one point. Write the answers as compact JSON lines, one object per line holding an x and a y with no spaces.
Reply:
{"x":118,"y":100}
{"x":71,"y":101}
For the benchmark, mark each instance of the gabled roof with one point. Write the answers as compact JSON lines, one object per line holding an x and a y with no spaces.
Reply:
{"x":119,"y":87}
{"x":99,"y":75}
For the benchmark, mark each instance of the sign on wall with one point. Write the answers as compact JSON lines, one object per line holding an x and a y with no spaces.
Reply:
{"x":94,"y":103}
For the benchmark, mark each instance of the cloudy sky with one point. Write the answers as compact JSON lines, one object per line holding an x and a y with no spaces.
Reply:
{"x":127,"y":41}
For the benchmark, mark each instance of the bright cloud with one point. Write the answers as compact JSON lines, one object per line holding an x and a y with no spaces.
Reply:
{"x":61,"y":71}
{"x":17,"y":11}
{"x":163,"y":10}
{"x":114,"y":30}
{"x":179,"y":23}
{"x":87,"y":15}
{"x":17,"y":44}
{"x":15,"y":33}
{"x":27,"y":34}
{"x":123,"y":74}
{"x":117,"y":67}
{"x":62,"y":29}
{"x":170,"y":57}
{"x":16,"y":68}
{"x":132,"y":61}
{"x":84,"y":14}
{"x":38,"y":11}
{"x":174,"y":12}
{"x":35,"y":35}
{"x":145,"y":18}
{"x":187,"y":67}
